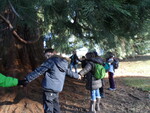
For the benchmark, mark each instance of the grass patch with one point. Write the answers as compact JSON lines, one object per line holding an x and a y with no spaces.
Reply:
{"x":139,"y":82}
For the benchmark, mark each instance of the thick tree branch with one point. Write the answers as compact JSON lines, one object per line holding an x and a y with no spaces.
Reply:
{"x":15,"y":33}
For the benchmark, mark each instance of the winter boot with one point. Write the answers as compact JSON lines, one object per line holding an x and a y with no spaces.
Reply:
{"x":92,"y":107}
{"x":98,"y":104}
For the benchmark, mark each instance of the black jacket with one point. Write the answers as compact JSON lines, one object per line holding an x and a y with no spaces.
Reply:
{"x":74,"y":59}
{"x":88,"y":70}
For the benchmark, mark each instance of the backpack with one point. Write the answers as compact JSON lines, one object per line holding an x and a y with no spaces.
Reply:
{"x":116,"y":63}
{"x":106,"y":66}
{"x":99,"y":71}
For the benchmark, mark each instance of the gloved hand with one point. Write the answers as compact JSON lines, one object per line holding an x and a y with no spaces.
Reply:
{"x":22,"y":83}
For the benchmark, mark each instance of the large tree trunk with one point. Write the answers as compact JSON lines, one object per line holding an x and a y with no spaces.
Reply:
{"x":17,"y":57}
{"x":16,"y":60}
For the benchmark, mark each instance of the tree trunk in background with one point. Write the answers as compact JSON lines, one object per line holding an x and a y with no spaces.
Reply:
{"x":18,"y":58}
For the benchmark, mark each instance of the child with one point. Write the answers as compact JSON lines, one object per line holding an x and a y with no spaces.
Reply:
{"x":55,"y":69}
{"x":91,"y":83}
{"x":9,"y":81}
{"x":101,"y":90}
{"x":83,"y":62}
{"x":74,"y":61}
{"x":111,"y":72}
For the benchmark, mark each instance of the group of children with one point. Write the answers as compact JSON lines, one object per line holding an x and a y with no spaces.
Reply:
{"x":96,"y":87}
{"x":93,"y":85}
{"x":109,"y":65}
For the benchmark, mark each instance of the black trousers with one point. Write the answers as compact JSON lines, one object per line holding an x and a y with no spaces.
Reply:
{"x":101,"y":90}
{"x":111,"y":80}
{"x":51,"y":102}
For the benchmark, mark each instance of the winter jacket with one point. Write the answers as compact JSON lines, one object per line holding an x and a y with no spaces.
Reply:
{"x":83,"y":63}
{"x":7,"y":81}
{"x":112,"y":64}
{"x":74,"y":59}
{"x":54,"y":70}
{"x":91,"y":83}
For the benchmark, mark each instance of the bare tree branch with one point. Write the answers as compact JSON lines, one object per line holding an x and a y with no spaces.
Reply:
{"x":15,"y":33}
{"x":13,"y":9}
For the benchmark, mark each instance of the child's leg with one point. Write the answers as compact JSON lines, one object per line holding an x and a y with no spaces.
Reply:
{"x":93,"y":95}
{"x":101,"y":90}
{"x":98,"y":97}
{"x":97,"y":93}
{"x":93,"y":101}
{"x":111,"y":80}
{"x":75,"y":67}
{"x":71,"y":65}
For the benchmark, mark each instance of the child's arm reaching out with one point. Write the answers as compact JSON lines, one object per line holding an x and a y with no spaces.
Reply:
{"x":8,"y":81}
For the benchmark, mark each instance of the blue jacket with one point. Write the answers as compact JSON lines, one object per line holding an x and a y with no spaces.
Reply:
{"x":54,"y":70}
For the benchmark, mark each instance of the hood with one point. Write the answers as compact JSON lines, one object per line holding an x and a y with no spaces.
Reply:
{"x":61,"y":63}
{"x":98,"y":60}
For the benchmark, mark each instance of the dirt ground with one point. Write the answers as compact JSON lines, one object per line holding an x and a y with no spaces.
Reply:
{"x":75,"y":98}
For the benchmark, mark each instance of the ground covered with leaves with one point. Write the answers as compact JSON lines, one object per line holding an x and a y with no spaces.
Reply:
{"x":76,"y":99}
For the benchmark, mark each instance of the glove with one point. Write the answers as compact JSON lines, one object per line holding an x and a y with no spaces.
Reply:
{"x":22,"y":83}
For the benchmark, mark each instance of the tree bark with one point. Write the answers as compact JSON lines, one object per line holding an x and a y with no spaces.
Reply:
{"x":16,"y":57}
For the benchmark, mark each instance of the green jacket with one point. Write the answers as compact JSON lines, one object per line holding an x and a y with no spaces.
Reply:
{"x":7,"y":81}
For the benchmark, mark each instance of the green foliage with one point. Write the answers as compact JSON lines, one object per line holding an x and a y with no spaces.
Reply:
{"x":3,"y":4}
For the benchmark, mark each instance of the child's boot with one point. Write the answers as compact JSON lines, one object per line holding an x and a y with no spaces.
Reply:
{"x":98,"y":104}
{"x":92,"y":107}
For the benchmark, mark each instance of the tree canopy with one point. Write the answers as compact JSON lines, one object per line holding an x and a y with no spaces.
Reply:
{"x":108,"y":23}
